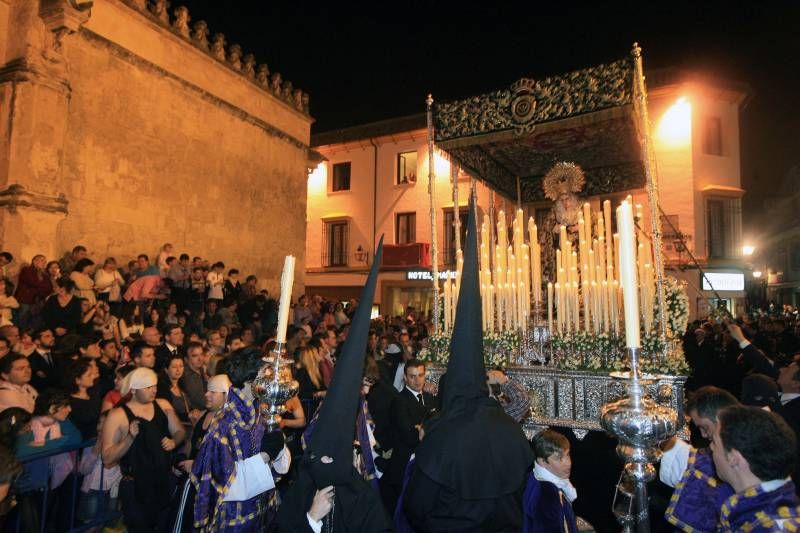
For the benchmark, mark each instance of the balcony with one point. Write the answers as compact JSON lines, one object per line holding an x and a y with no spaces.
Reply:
{"x":414,"y":255}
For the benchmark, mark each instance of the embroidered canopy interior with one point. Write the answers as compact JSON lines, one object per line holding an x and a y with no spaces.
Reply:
{"x":586,"y":116}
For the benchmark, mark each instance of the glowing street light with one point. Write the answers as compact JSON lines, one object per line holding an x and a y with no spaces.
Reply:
{"x":747,"y":250}
{"x":756,"y":274}
{"x":675,"y":126}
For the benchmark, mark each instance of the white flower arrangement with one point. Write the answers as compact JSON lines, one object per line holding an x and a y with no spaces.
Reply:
{"x":677,"y":307}
{"x":498,"y":348}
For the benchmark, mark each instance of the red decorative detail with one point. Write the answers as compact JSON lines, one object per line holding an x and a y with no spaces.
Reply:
{"x":417,"y":254}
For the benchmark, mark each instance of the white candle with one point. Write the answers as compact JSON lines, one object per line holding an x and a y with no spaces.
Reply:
{"x":550,"y":307}
{"x":627,"y":273}
{"x":287,"y":281}
{"x":489,"y":326}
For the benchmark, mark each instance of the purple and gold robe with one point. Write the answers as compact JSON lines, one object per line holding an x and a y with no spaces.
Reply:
{"x":233,"y":436}
{"x":698,"y":496}
{"x":759,"y":510}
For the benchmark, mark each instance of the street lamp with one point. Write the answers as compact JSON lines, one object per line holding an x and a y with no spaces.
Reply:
{"x":747,"y":250}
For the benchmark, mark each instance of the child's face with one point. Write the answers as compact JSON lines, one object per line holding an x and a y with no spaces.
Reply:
{"x":559,"y":464}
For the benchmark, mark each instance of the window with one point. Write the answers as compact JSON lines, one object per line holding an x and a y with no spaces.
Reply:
{"x":334,"y":250}
{"x":723,"y":226}
{"x":405,"y":228}
{"x":712,"y":136}
{"x":407,"y":167}
{"x":341,"y":177}
{"x":450,"y":234}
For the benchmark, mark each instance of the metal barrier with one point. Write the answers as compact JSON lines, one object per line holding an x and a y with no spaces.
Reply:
{"x":102,"y":517}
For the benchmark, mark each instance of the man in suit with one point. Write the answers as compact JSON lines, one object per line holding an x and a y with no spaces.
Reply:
{"x":789,"y":382}
{"x":409,"y":409}
{"x":173,"y":345}
{"x":44,"y":368}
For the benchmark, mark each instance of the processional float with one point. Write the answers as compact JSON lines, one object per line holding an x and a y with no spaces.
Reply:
{"x":580,"y":314}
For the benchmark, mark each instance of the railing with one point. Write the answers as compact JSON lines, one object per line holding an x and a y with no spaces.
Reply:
{"x":417,"y":254}
{"x":103,"y":516}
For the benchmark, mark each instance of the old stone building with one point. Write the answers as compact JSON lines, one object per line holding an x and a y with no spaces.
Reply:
{"x":122,"y":128}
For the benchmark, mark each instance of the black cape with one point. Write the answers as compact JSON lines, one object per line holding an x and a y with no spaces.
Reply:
{"x":357,"y":506}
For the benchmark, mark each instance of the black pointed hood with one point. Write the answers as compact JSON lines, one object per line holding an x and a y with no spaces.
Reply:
{"x":466,"y":373}
{"x":333,"y":435}
{"x":473,"y":448}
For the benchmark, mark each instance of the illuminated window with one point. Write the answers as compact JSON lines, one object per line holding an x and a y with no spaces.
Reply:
{"x":405,"y":228}
{"x":723,"y":227}
{"x":406,"y":167}
{"x":334,"y":251}
{"x":450,"y":233}
{"x":712,"y":136}
{"x":341,"y":177}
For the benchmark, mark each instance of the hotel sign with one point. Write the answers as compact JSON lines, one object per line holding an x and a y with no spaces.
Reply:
{"x":426,"y":275}
{"x":723,"y":281}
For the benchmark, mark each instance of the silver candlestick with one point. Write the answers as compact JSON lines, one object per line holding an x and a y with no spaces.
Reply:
{"x":274,"y":386}
{"x":639,"y":424}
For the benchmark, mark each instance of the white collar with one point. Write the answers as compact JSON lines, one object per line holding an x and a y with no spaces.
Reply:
{"x":774,"y":484}
{"x":787,"y":397}
{"x":412,"y":391}
{"x":543,"y":474}
{"x":170,"y":347}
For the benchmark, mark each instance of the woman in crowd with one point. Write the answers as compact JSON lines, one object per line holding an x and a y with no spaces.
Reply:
{"x":132,"y":325}
{"x":161,"y":259}
{"x":309,"y":377}
{"x":339,"y":315}
{"x":97,"y":497}
{"x":232,"y":289}
{"x":7,"y":302}
{"x":216,"y":282}
{"x":49,"y":430}
{"x":108,"y":282}
{"x":33,"y":287}
{"x":106,"y":324}
{"x":84,"y":284}
{"x":88,"y":312}
{"x":114,"y":396}
{"x":326,"y":311}
{"x":62,"y":311}
{"x":53,"y":270}
{"x":153,"y":319}
{"x":171,"y":317}
{"x":169,"y":389}
{"x":85,"y":402}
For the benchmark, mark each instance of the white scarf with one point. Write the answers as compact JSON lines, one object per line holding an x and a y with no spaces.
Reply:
{"x":543,"y":474}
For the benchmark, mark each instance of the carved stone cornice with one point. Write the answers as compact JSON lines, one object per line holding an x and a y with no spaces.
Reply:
{"x":63,"y":17}
{"x":37,"y":70}
{"x":17,"y":196}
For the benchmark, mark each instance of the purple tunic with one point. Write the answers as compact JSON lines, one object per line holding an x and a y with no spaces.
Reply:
{"x":759,"y":511}
{"x":698,"y":495}
{"x":234,"y":435}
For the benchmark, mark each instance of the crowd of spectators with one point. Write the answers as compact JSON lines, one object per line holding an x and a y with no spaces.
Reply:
{"x":73,"y":333}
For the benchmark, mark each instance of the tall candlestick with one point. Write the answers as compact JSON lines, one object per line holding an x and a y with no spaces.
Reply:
{"x":287,"y":281}
{"x":627,"y":265}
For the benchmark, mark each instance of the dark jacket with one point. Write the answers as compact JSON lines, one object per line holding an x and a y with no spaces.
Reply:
{"x":406,"y":414}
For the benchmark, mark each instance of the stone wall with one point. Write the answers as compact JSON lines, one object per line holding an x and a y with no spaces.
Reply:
{"x":120,"y":131}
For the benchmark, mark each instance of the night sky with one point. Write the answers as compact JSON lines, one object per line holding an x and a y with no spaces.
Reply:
{"x":366,"y":62}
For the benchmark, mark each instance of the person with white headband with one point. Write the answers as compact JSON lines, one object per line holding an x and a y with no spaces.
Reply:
{"x":140,"y":436}
{"x":216,"y":395}
{"x":239,"y":459}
